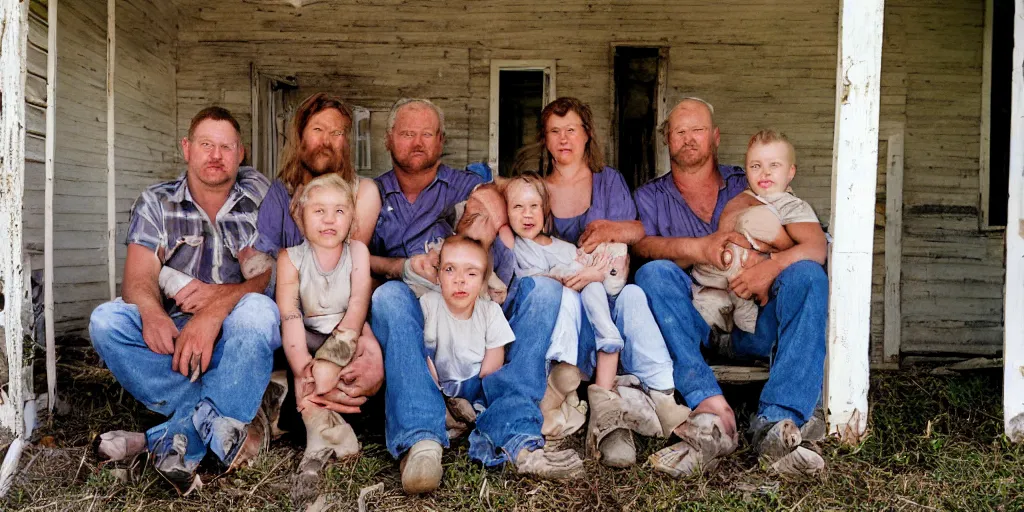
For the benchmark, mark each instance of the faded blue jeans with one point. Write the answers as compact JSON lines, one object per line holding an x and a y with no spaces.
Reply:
{"x":234,"y":383}
{"x":790,"y":333}
{"x":643,"y":353}
{"x":412,"y":402}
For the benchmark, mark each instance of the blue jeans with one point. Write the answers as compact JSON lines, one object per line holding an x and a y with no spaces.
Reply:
{"x":643,"y":352}
{"x":790,"y":333}
{"x":234,"y":383}
{"x":413,"y":404}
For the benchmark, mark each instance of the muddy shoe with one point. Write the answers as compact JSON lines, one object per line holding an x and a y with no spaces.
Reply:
{"x":460,"y":409}
{"x":119,"y":445}
{"x":815,"y":429}
{"x":559,"y":465}
{"x":421,"y":467}
{"x":799,"y":463}
{"x":170,"y":464}
{"x":326,"y":429}
{"x":563,"y":412}
{"x":608,"y":438}
{"x":703,"y":443}
{"x":670,"y":413}
{"x":774,"y":441}
{"x":228,"y":438}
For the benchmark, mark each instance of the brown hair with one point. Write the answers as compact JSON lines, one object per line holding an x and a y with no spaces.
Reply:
{"x":292,"y":171}
{"x":455,"y":240}
{"x":770,"y":136}
{"x":533,"y":179}
{"x":213,"y":113}
{"x":561,"y":107}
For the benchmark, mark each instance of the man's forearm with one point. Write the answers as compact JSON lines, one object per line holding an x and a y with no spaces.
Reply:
{"x":235,"y":292}
{"x":143,"y":294}
{"x":681,"y":250}
{"x":389,"y":268}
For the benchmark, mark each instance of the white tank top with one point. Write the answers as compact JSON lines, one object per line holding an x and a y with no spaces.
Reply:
{"x":323,"y":295}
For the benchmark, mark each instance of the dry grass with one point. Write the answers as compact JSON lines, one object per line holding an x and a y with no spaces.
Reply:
{"x":936,"y":444}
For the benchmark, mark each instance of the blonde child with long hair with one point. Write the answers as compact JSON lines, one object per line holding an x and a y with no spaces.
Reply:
{"x":323,"y":293}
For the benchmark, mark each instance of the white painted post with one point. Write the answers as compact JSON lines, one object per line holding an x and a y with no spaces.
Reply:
{"x":13,"y":50}
{"x":854,"y":164}
{"x":111,"y":131}
{"x":51,"y":140}
{"x":1013,"y":321}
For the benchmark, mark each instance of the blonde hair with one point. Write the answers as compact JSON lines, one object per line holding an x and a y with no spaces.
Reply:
{"x":292,"y":171}
{"x":332,"y":181}
{"x":770,"y":136}
{"x":533,"y":179}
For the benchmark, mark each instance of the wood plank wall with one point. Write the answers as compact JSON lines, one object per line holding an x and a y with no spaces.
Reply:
{"x":762,"y":64}
{"x":145,"y":151}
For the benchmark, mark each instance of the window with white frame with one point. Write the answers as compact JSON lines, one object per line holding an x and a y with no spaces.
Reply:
{"x":519,"y":91}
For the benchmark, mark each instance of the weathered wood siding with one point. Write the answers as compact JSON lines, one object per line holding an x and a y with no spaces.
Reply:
{"x":35,"y":133}
{"x":762,"y":64}
{"x":145,"y":140}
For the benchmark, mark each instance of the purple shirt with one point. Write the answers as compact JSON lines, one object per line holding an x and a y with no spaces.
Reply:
{"x":609,"y":200}
{"x":664,"y":212}
{"x":275,"y":224}
{"x":403,"y":229}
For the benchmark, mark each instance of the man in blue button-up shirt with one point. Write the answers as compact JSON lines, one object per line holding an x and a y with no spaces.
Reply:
{"x":418,"y":198}
{"x":680,"y":213}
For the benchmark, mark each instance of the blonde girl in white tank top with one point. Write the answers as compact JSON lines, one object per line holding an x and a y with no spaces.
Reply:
{"x":323,"y":292}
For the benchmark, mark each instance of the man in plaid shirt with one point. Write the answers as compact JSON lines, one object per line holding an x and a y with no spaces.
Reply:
{"x":202,"y":354}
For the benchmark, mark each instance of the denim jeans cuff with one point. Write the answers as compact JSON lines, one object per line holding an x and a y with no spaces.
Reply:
{"x":775,"y":414}
{"x":400,"y":448}
{"x":518,"y":442}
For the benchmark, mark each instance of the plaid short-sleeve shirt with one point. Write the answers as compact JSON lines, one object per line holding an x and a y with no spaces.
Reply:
{"x":165,"y":219}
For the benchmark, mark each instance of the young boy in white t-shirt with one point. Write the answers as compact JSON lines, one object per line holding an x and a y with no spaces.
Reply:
{"x":464,"y":335}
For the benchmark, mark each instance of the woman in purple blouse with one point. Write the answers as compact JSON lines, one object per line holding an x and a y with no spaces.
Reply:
{"x":591,"y":204}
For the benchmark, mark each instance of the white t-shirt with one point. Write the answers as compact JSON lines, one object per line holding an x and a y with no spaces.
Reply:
{"x":459,"y":345}
{"x":557,"y":259}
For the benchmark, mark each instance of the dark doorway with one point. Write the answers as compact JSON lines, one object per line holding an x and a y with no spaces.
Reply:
{"x":636,"y":93}
{"x":521,"y":98}
{"x":999,"y":110}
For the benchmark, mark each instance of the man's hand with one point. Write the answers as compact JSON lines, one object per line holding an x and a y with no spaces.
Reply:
{"x":158,"y":331}
{"x":197,"y":295}
{"x":756,"y":282}
{"x":336,"y":400}
{"x":426,"y":265}
{"x":596,"y":233}
{"x":194,"y":346}
{"x":294,"y":210}
{"x":365,"y":374}
{"x":714,"y":245}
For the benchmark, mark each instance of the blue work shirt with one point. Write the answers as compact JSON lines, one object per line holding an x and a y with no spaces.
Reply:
{"x":664,"y":212}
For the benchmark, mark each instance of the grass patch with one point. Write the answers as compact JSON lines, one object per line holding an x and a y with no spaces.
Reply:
{"x":936,"y":443}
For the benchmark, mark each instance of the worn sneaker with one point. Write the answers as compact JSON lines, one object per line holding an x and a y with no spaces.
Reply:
{"x":225,"y":436}
{"x":608,"y":437}
{"x":553,"y":465}
{"x":703,"y":443}
{"x":421,"y":467}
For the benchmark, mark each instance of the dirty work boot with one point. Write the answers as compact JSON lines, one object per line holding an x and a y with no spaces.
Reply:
{"x":608,"y":438}
{"x":561,"y":407}
{"x":458,"y":416}
{"x":638,"y":409}
{"x":557,"y":465}
{"x":702,"y":444}
{"x":170,"y":464}
{"x":273,"y":400}
{"x":815,"y":429}
{"x":421,"y":467}
{"x":779,"y":447}
{"x":326,"y":434}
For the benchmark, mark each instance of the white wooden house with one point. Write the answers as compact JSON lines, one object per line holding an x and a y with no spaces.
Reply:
{"x":892,"y":120}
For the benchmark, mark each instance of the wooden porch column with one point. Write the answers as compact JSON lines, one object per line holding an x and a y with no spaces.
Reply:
{"x":13,"y":47}
{"x":1013,"y":306}
{"x":854,"y":164}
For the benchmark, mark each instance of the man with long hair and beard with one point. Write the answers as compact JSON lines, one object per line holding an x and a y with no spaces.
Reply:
{"x":318,"y":144}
